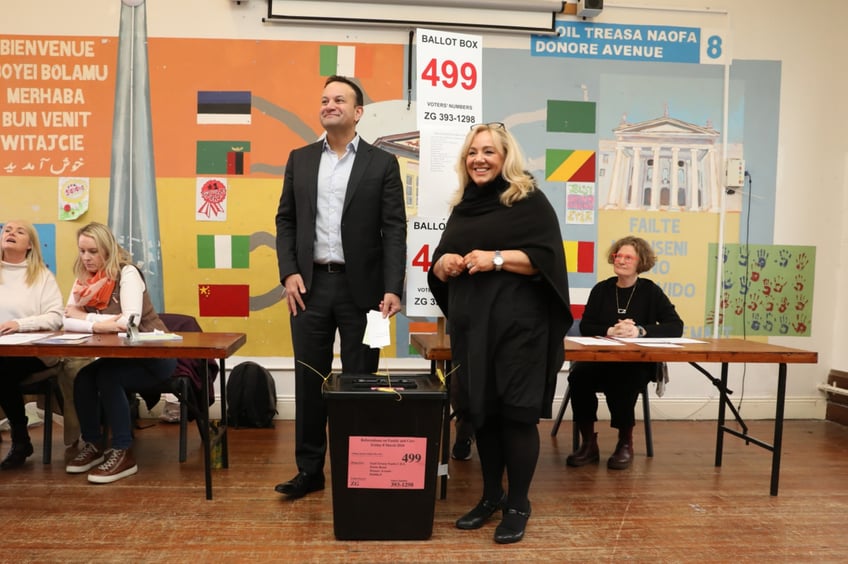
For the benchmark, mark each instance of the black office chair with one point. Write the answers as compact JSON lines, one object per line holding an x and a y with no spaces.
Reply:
{"x":45,"y":383}
{"x":646,"y":416}
{"x":186,"y":382}
{"x":574,"y":331}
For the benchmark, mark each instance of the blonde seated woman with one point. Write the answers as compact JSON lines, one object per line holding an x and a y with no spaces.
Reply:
{"x":108,"y":290}
{"x":30,"y":300}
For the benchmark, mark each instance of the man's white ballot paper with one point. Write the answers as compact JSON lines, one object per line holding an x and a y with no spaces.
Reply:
{"x":376,"y":331}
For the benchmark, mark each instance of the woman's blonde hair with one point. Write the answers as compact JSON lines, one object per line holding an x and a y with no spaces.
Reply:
{"x":35,"y":266}
{"x":647,"y":257}
{"x":521,"y":183}
{"x":114,"y":256}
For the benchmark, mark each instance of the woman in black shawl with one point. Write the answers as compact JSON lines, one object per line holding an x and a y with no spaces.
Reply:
{"x":499,"y":276}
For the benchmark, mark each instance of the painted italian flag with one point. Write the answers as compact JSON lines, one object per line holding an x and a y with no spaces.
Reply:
{"x":223,"y":251}
{"x":347,"y":60}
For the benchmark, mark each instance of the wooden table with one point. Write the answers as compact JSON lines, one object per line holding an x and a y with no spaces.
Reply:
{"x":193,"y":345}
{"x":436,"y":348}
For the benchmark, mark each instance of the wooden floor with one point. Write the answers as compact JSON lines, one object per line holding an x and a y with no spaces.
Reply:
{"x":676,"y":507}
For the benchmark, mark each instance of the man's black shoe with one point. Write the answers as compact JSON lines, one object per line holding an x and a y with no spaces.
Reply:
{"x":301,"y":485}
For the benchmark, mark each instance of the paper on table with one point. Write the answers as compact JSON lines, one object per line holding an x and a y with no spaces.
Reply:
{"x":376,"y":331}
{"x":594,"y":341}
{"x":66,"y":338}
{"x":655,"y":341}
{"x":21,"y":338}
{"x":156,"y":335}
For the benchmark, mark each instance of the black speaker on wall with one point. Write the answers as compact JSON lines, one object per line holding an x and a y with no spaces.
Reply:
{"x":589,"y":8}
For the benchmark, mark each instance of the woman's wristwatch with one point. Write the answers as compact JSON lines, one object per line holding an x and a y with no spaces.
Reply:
{"x":641,"y":330}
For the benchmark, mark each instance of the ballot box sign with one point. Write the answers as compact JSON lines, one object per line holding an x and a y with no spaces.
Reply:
{"x":387,"y":463}
{"x":423,"y":235}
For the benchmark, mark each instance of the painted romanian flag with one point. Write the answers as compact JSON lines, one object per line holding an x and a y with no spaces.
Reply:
{"x":579,"y":256}
{"x":223,"y":300}
{"x":223,"y":251}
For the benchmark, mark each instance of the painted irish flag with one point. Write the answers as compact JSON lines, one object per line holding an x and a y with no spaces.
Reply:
{"x":347,"y":60}
{"x":223,"y":251}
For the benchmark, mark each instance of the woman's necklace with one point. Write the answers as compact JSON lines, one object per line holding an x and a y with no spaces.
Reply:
{"x":623,"y":310}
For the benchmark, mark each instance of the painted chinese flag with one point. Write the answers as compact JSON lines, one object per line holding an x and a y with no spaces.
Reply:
{"x":223,"y":300}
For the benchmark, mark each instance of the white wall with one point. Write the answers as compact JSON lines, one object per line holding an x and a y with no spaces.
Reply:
{"x":812,"y":199}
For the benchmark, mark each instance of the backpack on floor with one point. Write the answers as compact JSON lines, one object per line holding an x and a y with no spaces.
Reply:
{"x":251,"y":396}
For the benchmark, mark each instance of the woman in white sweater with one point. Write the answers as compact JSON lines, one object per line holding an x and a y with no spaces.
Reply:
{"x":30,"y":300}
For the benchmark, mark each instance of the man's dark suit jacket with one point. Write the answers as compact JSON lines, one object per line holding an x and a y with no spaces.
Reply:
{"x":373,"y":223}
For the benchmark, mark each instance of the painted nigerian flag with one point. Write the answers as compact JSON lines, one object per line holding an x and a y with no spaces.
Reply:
{"x":223,"y":251}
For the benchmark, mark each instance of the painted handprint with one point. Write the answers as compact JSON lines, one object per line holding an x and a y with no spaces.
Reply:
{"x":783,"y":305}
{"x":739,"y":306}
{"x":743,"y":285}
{"x":800,"y":325}
{"x":762,"y":257}
{"x":799,"y":283}
{"x":766,"y":287}
{"x":783,"y":258}
{"x":755,"y":321}
{"x":755,"y":302}
{"x":779,"y":283}
{"x":768,"y":324}
{"x":802,"y":261}
{"x":784,"y":325}
{"x":800,"y":302}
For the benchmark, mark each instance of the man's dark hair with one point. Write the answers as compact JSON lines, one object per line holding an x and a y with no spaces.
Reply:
{"x":360,"y":99}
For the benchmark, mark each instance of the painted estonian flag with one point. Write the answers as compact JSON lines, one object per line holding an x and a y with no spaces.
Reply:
{"x":222,"y":157}
{"x":228,"y":108}
{"x":223,"y":300}
{"x":223,"y":251}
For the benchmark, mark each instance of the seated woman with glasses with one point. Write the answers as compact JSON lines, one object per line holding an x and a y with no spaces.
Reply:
{"x":623,"y":306}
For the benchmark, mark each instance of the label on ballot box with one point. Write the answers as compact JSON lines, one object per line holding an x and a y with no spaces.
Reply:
{"x":387,"y":463}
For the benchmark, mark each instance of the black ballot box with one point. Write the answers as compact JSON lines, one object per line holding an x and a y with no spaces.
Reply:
{"x":385,"y":440}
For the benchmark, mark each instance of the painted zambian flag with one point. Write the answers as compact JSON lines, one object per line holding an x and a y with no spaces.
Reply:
{"x":223,"y":251}
{"x":347,"y":60}
{"x":222,"y":157}
{"x":563,"y":165}
{"x":571,"y":116}
{"x":223,"y":107}
{"x":579,"y":256}
{"x":223,"y":300}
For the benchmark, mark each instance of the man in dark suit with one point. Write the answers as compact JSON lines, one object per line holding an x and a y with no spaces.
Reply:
{"x":341,"y":251}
